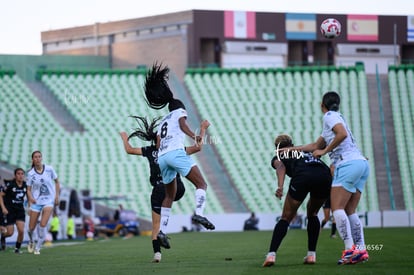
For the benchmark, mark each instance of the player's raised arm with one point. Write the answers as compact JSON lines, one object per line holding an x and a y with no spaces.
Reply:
{"x":127,"y":146}
{"x":198,"y":145}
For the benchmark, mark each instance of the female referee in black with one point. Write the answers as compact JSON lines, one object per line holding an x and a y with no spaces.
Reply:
{"x":308,"y":175}
{"x":147,"y":132}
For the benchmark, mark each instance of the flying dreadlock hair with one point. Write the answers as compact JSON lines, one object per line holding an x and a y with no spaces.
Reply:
{"x":146,"y":128}
{"x":157,"y":91}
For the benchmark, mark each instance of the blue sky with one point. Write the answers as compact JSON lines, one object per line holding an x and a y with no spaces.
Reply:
{"x":22,"y":21}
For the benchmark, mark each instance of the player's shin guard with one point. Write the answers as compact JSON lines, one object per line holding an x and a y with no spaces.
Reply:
{"x":279,"y":233}
{"x":313,"y":232}
{"x":165,"y":215}
{"x":344,"y":228}
{"x":156,"y":246}
{"x":357,"y":230}
{"x":200,"y":198}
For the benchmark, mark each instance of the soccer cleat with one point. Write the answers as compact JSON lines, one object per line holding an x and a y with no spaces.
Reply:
{"x":17,"y":251}
{"x":347,"y":256}
{"x":30,"y":247}
{"x":37,"y":252}
{"x":203,"y":221}
{"x":157,"y":257}
{"x":270,"y":259}
{"x":309,"y":259}
{"x":163,"y":239}
{"x":360,"y":256}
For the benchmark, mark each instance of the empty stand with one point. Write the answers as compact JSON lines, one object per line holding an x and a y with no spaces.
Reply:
{"x":93,"y":159}
{"x":249,"y":108}
{"x":401,"y":81}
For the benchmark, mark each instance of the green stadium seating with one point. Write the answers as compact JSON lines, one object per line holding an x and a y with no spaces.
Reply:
{"x":248,"y":108}
{"x":93,"y":159}
{"x":401,"y":83}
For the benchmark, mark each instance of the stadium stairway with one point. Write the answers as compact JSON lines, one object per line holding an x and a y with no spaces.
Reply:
{"x":55,"y":107}
{"x":380,"y":169}
{"x":227,"y":194}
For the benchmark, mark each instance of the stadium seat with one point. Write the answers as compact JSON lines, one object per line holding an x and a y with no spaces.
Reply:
{"x":258,"y":105}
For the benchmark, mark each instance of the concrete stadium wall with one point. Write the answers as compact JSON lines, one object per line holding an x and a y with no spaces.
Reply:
{"x":27,"y":65}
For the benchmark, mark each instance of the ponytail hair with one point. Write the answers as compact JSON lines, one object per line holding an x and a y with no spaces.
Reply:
{"x":146,"y":130}
{"x":331,"y":101}
{"x":157,"y":91}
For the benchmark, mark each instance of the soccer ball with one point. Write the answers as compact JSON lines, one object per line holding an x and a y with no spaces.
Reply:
{"x":330,"y":28}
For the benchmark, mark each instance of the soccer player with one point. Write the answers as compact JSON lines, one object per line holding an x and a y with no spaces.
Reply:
{"x":12,"y":195}
{"x":308,"y":175}
{"x":172,"y":157}
{"x":43,"y":194}
{"x":327,"y":215}
{"x":146,"y":132}
{"x":350,"y":175}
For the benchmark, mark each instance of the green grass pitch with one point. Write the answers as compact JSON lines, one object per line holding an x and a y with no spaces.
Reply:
{"x":210,"y":253}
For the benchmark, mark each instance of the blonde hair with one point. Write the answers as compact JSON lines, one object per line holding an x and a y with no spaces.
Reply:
{"x":283,"y":140}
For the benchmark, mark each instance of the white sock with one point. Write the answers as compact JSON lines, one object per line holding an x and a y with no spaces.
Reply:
{"x":344,"y":228}
{"x":312,"y":253}
{"x":41,"y":231}
{"x":200,"y":197}
{"x":357,"y":230}
{"x":165,"y":215}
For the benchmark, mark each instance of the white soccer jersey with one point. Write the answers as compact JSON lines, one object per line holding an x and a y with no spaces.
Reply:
{"x":171,"y":135}
{"x":347,"y":149}
{"x":43,"y":185}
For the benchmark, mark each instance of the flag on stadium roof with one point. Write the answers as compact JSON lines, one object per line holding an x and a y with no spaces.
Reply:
{"x":362,"y":27}
{"x":239,"y":24}
{"x":410,"y":28}
{"x":300,"y":26}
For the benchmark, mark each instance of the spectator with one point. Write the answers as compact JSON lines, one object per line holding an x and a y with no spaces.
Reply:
{"x":251,"y":223}
{"x":118,"y":212}
{"x":54,"y":226}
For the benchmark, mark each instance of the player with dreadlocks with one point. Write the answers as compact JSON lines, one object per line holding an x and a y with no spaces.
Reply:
{"x":146,"y":131}
{"x":172,"y":157}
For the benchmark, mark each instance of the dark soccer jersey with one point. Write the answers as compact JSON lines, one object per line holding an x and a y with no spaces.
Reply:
{"x":151,"y":153}
{"x":14,"y":195}
{"x":298,"y":162}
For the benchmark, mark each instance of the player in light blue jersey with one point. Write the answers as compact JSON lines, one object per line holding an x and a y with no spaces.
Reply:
{"x":172,"y":157}
{"x":350,"y":175}
{"x":43,"y":195}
